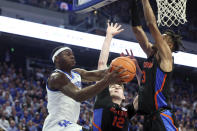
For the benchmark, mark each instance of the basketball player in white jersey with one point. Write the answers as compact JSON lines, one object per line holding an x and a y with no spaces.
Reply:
{"x":64,"y":90}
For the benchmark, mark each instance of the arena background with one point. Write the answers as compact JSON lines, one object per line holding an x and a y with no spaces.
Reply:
{"x":25,"y":61}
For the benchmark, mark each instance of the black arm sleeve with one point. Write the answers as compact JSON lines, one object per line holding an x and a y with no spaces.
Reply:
{"x":103,"y":99}
{"x":131,"y":110}
{"x":135,"y":19}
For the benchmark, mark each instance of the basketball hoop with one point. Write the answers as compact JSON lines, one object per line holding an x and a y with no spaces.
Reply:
{"x":171,"y":12}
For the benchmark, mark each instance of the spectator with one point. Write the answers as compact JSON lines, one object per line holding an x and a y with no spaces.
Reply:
{"x":8,"y":108}
{"x":63,"y":6}
{"x":37,"y":118}
{"x":31,"y":126}
{"x":15,"y":115}
{"x":3,"y":122}
{"x":12,"y":126}
{"x":25,"y":115}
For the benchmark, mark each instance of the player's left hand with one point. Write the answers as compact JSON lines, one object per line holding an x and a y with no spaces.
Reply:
{"x":131,"y":56}
{"x":138,"y":70}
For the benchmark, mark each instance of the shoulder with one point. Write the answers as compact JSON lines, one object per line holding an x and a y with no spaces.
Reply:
{"x":82,"y":72}
{"x":55,"y":76}
{"x":57,"y":79}
{"x":79,"y":70}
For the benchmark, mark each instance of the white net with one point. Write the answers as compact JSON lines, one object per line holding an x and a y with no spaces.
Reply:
{"x":171,"y":12}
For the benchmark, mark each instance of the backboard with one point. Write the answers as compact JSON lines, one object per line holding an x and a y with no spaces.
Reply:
{"x":84,"y":6}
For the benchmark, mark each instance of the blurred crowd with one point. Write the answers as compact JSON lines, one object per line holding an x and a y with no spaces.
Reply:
{"x":56,"y":5}
{"x":118,"y":11}
{"x":23,"y":101}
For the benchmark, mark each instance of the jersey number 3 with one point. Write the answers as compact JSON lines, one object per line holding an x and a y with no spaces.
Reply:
{"x":118,"y":122}
{"x":143,"y":76}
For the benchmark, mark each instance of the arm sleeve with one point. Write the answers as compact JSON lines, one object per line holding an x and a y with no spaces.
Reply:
{"x":103,"y":99}
{"x":135,"y":19}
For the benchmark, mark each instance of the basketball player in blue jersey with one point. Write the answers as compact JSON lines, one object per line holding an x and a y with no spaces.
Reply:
{"x":64,"y":91}
{"x":109,"y":115}
{"x":157,"y":71}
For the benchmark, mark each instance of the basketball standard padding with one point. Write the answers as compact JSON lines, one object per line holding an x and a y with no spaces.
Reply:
{"x":126,"y":63}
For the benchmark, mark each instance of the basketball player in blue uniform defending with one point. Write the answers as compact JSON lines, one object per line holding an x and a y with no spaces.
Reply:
{"x":157,"y":71}
{"x":109,"y":115}
{"x":64,"y":91}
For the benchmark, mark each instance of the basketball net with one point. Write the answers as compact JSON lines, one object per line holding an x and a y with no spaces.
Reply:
{"x":171,"y":12}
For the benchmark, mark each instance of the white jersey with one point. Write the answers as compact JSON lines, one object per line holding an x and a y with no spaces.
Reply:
{"x":60,"y":106}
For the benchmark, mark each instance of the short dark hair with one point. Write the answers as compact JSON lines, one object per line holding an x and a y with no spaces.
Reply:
{"x":176,"y":39}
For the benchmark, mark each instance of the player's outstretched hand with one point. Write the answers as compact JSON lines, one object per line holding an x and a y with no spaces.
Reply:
{"x":138,"y":70}
{"x":113,"y":29}
{"x":115,"y":76}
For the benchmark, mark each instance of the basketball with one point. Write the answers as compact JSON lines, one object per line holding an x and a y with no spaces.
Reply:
{"x":126,"y":63}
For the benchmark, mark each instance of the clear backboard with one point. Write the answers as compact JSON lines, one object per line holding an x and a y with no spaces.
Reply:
{"x":83,"y":6}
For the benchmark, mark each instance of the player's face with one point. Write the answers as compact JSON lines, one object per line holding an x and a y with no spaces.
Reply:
{"x":116,"y":91}
{"x":66,"y":57}
{"x":168,"y":40}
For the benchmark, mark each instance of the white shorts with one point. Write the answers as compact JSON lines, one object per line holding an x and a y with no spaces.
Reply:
{"x":60,"y":125}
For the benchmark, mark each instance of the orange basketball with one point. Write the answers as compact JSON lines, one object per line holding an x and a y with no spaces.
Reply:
{"x":126,"y":63}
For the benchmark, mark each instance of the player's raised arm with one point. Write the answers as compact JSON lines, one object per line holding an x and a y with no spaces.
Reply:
{"x":112,"y":30}
{"x":58,"y":81}
{"x":137,"y":29}
{"x":96,"y":75}
{"x":162,"y":46}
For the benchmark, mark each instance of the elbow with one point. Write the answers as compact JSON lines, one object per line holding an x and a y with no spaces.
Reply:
{"x":151,"y":24}
{"x":76,"y":96}
{"x":137,"y":29}
{"x":79,"y":98}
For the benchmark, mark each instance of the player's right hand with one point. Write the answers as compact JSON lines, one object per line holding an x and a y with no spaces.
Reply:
{"x":115,"y":76}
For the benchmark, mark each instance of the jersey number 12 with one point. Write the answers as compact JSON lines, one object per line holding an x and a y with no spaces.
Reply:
{"x":118,"y":122}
